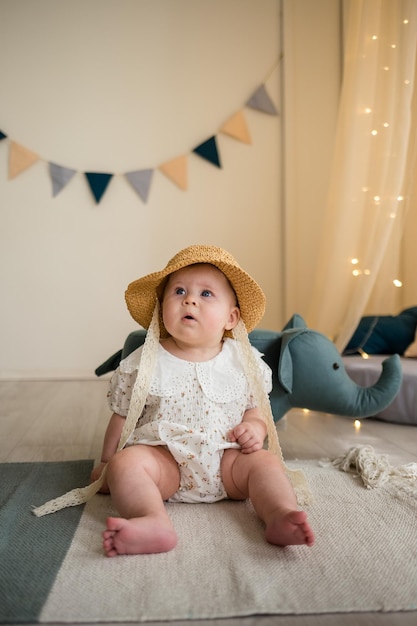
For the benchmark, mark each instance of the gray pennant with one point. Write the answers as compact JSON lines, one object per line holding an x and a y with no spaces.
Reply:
{"x":261,"y":101}
{"x":141,"y":182}
{"x":60,"y":177}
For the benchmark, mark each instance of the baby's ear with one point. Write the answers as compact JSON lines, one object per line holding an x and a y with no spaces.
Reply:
{"x":233,"y":318}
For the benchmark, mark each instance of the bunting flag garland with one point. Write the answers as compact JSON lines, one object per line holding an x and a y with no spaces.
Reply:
{"x":98,"y":183}
{"x":176,"y":169}
{"x":141,"y":182}
{"x":208,"y":150}
{"x":20,"y":158}
{"x":237,"y":128}
{"x":60,"y":177}
{"x":261,"y":101}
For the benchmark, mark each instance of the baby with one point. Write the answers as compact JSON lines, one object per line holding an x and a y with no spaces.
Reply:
{"x":197,"y":393}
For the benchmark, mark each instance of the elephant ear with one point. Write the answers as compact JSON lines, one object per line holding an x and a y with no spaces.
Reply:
{"x":285,"y":363}
{"x":295,"y":322}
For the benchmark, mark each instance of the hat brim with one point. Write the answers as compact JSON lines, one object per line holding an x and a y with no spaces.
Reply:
{"x":142,"y":294}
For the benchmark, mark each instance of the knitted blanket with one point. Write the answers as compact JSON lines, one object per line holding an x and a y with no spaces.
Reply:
{"x":52,"y":569}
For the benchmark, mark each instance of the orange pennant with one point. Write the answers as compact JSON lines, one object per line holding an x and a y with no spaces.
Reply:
{"x":176,"y":170}
{"x":237,"y":128}
{"x":20,"y":158}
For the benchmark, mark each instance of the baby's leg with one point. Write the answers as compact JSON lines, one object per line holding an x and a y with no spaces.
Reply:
{"x":140,"y":478}
{"x":261,"y":477}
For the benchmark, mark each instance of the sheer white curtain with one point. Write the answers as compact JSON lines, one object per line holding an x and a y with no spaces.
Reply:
{"x":371,"y":182}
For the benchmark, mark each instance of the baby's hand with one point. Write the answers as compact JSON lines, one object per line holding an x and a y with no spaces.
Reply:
{"x":248,"y":436}
{"x":95,"y":475}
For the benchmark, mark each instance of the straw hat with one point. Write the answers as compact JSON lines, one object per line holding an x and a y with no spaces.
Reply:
{"x":142,"y":294}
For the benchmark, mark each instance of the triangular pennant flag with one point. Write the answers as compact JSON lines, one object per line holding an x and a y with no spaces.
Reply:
{"x":141,"y":182}
{"x":98,"y":183}
{"x":60,"y":177}
{"x":20,"y":158}
{"x":237,"y":128}
{"x":261,"y":101}
{"x":208,"y":150}
{"x":176,"y":170}
{"x":2,"y":135}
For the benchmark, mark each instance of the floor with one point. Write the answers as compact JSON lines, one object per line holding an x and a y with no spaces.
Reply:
{"x":65,"y":420}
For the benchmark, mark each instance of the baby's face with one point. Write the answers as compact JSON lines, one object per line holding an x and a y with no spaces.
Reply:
{"x":199,"y":304}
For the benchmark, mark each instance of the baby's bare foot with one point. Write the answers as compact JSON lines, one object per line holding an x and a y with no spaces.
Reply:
{"x":139,"y":535}
{"x":291,"y":528}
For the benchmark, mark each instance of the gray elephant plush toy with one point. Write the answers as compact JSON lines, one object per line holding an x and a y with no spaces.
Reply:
{"x":307,"y":372}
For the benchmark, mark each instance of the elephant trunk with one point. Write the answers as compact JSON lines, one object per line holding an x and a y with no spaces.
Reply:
{"x":372,"y":400}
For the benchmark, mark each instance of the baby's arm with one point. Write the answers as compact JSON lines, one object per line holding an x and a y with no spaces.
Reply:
{"x":251,"y":432}
{"x":110,"y":443}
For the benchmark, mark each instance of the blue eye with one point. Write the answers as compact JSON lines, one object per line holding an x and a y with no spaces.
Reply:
{"x":180,"y":291}
{"x":206,"y":293}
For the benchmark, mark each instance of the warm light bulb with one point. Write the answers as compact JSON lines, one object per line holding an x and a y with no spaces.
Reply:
{"x":397,"y":283}
{"x":355,"y":261}
{"x":405,"y":21}
{"x":400,"y":198}
{"x":306,"y":410}
{"x":374,"y":132}
{"x":368,"y":110}
{"x":377,"y":198}
{"x":374,"y":37}
{"x":357,"y":424}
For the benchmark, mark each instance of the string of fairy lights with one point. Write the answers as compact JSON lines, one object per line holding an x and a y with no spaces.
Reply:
{"x":357,"y":270}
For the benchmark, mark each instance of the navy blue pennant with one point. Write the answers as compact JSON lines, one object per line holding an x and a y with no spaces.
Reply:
{"x":98,"y":183}
{"x":208,"y":150}
{"x":2,"y":136}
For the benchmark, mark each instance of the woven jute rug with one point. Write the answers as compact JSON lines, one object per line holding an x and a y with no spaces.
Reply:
{"x":364,"y":559}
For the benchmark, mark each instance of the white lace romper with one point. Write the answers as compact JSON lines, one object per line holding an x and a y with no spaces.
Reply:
{"x":190,"y":408}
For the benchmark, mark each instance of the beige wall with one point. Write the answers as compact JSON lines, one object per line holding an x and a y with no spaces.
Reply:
{"x":312,"y":48}
{"x":115,"y":86}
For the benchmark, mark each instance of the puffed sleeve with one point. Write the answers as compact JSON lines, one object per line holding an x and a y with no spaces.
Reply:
{"x":122,"y":382}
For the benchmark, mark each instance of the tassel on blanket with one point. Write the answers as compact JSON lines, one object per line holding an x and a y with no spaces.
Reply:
{"x":375,"y":469}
